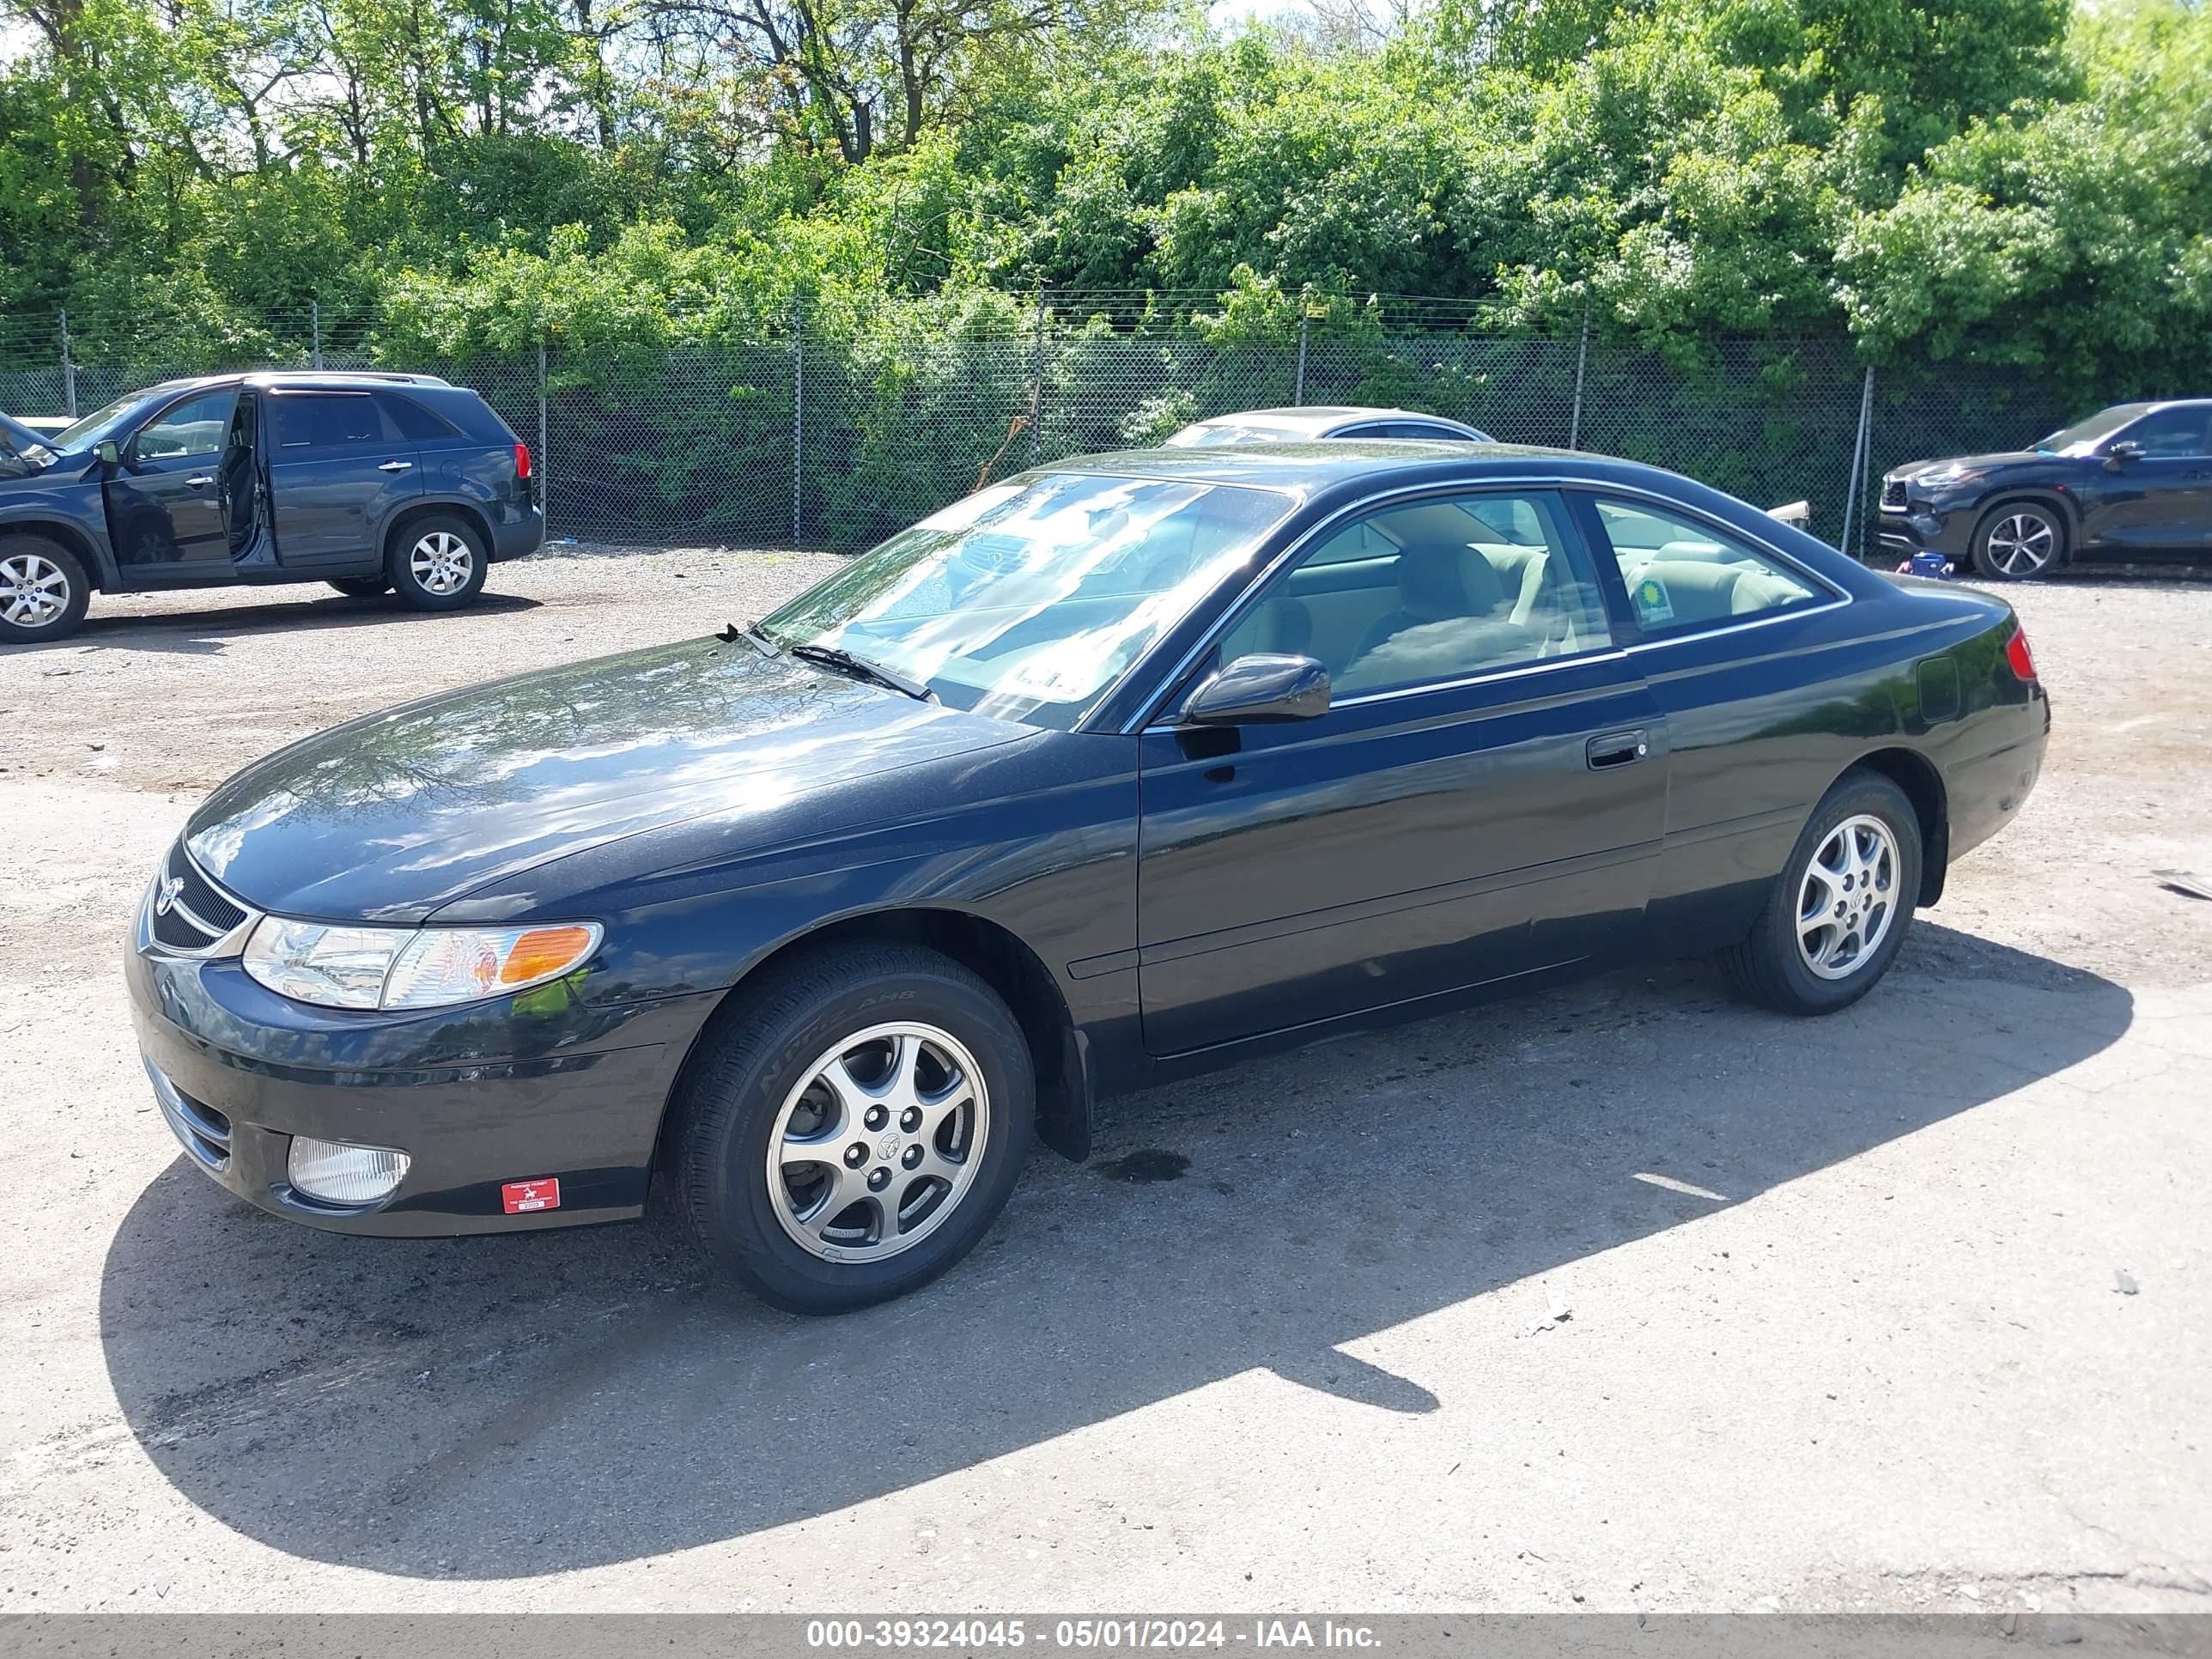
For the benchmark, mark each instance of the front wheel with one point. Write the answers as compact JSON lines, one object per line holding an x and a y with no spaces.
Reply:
{"x":2019,"y":540}
{"x":437,"y":563}
{"x":43,"y":591}
{"x":1839,"y":910}
{"x":853,"y":1129}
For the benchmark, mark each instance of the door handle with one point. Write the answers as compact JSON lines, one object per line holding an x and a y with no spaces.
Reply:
{"x":1617,"y":748}
{"x":200,"y":483}
{"x":395,"y":466}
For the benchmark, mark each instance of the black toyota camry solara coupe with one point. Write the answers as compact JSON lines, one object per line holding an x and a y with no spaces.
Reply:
{"x":1129,"y":768}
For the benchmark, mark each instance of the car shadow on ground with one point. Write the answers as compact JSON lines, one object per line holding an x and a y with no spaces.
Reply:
{"x":204,"y":633}
{"x":503,"y":1406}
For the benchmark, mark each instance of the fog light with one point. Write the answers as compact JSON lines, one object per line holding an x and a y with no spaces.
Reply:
{"x":339,"y":1174}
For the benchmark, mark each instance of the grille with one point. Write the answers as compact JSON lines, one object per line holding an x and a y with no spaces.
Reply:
{"x":1893,"y":492}
{"x":190,"y":912}
{"x":199,"y":1128}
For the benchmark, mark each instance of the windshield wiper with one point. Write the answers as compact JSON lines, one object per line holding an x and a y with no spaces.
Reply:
{"x":751,"y":634}
{"x":835,"y":656}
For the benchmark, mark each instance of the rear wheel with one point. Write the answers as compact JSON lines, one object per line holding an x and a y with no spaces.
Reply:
{"x":1839,"y":910}
{"x":2016,"y":541}
{"x":437,"y":563}
{"x":43,"y":590}
{"x":361,"y":588}
{"x":853,"y":1130}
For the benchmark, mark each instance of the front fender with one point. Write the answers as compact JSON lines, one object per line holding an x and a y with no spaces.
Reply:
{"x":1034,"y":841}
{"x":2057,"y":497}
{"x":74,"y":514}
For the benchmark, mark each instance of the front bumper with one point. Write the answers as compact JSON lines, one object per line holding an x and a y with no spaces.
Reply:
{"x":1918,"y":526}
{"x":519,"y":1088}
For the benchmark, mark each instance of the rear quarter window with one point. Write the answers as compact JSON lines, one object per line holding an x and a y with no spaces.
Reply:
{"x":1684,"y":576}
{"x":414,"y":423}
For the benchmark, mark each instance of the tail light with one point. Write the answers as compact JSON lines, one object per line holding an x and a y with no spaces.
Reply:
{"x":2021,"y":658}
{"x":521,"y":460}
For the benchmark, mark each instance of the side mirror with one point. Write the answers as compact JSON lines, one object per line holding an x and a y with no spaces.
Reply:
{"x":1260,"y":688}
{"x":2121,"y":454}
{"x":108,"y":452}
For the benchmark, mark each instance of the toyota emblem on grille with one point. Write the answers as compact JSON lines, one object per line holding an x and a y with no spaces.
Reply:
{"x":166,"y":894}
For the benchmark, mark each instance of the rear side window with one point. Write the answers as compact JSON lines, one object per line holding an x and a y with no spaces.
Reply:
{"x":413,"y":422}
{"x":306,"y":422}
{"x":1684,"y":576}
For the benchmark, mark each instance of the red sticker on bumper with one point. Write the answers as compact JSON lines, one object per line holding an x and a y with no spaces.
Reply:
{"x":521,"y":1197}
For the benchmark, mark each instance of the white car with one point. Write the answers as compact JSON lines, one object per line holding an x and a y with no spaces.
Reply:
{"x":1294,"y":426}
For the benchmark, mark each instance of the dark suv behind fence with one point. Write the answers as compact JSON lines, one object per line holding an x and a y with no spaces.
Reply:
{"x":368,"y":482}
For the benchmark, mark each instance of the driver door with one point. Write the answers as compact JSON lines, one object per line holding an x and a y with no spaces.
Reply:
{"x":1484,"y":798}
{"x":168,"y":508}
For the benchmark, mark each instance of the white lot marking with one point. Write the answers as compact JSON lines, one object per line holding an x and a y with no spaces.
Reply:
{"x":1674,"y":1186}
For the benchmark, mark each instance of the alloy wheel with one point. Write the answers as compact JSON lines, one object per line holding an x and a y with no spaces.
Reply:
{"x":1848,"y":897}
{"x":2021,"y":543}
{"x":441,"y":562}
{"x":878,"y":1142}
{"x":33,"y":590}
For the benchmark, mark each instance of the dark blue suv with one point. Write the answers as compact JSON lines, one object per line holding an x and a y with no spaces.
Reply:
{"x":368,"y":482}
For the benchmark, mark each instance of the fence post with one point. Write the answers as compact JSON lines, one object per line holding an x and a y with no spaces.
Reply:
{"x":315,"y":330}
{"x":797,"y":417}
{"x":1581,"y":363}
{"x":544,"y":478}
{"x":1298,"y":391}
{"x":1859,"y":455}
{"x":1037,"y":394}
{"x":69,"y":371}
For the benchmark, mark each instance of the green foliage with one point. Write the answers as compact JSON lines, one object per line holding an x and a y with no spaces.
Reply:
{"x":2066,"y":236}
{"x":1156,"y":418}
{"x":1990,"y":180}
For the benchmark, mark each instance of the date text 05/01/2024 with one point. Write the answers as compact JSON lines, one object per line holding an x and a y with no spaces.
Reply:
{"x":1108,"y":1634}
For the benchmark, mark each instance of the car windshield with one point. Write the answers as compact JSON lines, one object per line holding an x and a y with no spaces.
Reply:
{"x":2084,"y":435}
{"x":101,"y":424}
{"x":1028,"y":600}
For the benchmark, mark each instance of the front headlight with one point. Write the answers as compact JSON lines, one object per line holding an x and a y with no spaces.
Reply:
{"x":1944,"y":477}
{"x":341,"y":967}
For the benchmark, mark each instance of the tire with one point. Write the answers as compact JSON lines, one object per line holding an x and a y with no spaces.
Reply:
{"x":44,"y":591}
{"x":2019,"y":541}
{"x":756,"y":1083}
{"x":1776,"y":966}
{"x":361,"y":588}
{"x":437,"y":563}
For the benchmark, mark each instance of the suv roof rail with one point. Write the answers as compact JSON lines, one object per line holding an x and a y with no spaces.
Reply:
{"x":398,"y":377}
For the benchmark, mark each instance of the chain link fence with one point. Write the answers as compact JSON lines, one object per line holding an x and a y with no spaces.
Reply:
{"x":815,"y":440}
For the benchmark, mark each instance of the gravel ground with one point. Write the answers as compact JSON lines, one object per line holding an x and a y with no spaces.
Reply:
{"x":1619,"y":1297}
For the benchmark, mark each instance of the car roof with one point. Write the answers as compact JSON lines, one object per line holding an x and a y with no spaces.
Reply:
{"x":296,"y":379}
{"x":1328,"y":474}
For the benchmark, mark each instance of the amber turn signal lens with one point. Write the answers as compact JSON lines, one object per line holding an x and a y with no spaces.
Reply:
{"x":544,"y":950}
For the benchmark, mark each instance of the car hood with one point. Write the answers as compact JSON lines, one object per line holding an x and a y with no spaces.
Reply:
{"x":17,"y":438}
{"x":2002,"y":458}
{"x":386,"y":818}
